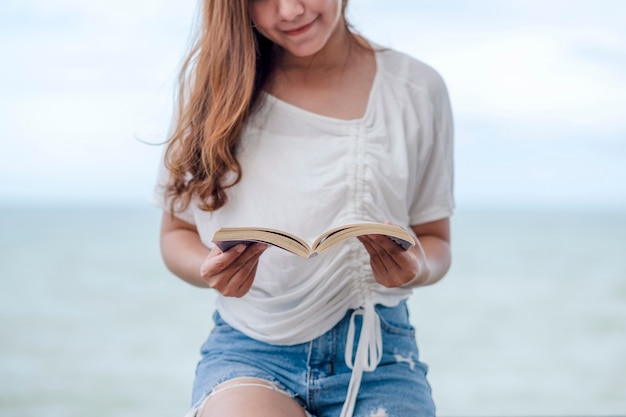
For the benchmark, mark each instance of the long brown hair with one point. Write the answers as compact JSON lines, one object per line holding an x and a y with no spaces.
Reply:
{"x":219,"y":85}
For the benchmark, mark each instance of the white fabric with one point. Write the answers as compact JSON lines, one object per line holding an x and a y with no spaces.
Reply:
{"x":369,"y":352}
{"x":305,"y":173}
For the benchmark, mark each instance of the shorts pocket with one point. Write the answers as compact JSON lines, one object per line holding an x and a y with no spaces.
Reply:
{"x":219,"y":325}
{"x":395,"y":320}
{"x":220,"y":332}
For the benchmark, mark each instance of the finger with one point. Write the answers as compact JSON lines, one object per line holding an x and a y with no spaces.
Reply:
{"x":392,"y":267}
{"x":250,"y":254}
{"x":367,"y":243}
{"x":217,"y":261}
{"x":220,"y":267}
{"x":389,"y":245}
{"x":229,"y":263}
{"x":243,"y":271}
{"x":246,"y":275}
{"x":248,"y":280}
{"x":385,"y":247}
{"x":377,"y":255}
{"x":395,"y":253}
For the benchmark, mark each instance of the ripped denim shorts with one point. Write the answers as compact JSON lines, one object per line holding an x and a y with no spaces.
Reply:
{"x":315,"y":373}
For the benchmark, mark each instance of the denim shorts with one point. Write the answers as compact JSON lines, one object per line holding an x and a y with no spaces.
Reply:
{"x":315,"y":373}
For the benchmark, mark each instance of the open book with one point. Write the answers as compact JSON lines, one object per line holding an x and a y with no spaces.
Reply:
{"x":227,"y":237}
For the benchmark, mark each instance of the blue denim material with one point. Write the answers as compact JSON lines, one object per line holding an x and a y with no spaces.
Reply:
{"x":315,"y":373}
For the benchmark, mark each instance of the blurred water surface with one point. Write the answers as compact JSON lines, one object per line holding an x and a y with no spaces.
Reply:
{"x":531,"y":320}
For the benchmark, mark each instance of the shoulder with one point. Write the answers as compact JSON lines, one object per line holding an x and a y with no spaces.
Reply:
{"x":404,"y":71}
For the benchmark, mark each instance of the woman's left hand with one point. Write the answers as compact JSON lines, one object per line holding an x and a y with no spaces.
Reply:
{"x":394,"y":266}
{"x":423,"y":264}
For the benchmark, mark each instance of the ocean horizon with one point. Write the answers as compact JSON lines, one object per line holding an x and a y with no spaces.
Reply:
{"x":531,"y":319}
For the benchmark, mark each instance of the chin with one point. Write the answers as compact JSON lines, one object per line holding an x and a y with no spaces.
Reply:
{"x":305,"y":51}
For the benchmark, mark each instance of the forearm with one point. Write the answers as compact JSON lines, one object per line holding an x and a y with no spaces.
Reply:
{"x":437,"y":255}
{"x":432,"y":253}
{"x":183,"y":253}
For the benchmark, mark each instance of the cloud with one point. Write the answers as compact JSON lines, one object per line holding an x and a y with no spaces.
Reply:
{"x":538,"y":89}
{"x":560,"y":66}
{"x":82,"y":80}
{"x":534,"y":80}
{"x":120,"y":13}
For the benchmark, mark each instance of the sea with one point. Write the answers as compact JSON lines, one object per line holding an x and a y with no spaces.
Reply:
{"x":530,"y":320}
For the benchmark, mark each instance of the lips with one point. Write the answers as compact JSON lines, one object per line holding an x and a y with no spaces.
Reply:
{"x":300,"y":30}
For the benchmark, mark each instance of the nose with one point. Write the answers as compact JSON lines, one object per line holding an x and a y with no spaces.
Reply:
{"x":290,"y":9}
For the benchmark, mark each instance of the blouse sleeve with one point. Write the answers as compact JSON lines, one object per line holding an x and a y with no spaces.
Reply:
{"x":433,"y":197}
{"x":160,"y":198}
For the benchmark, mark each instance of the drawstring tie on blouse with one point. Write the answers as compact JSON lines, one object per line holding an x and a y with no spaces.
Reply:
{"x":369,"y":352}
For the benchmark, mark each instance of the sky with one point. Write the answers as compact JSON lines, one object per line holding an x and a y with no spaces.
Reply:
{"x":538,"y":90}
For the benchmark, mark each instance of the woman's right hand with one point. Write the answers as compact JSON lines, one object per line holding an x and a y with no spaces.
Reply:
{"x":232,"y":272}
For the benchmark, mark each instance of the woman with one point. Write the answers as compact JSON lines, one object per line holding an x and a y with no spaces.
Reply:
{"x":287,"y":119}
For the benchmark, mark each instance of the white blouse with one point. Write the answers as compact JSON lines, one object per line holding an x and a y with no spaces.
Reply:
{"x":305,"y":173}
